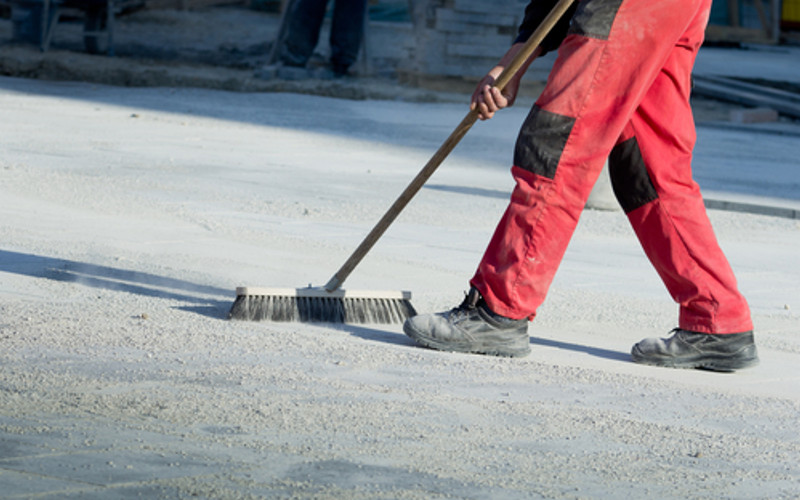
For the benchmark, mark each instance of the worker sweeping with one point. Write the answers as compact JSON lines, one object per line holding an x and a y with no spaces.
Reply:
{"x":618,"y":90}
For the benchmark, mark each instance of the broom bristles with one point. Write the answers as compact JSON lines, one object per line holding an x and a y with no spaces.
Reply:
{"x":318,"y":305}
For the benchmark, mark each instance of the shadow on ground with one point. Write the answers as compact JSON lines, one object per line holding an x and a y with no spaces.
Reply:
{"x":198,"y":296}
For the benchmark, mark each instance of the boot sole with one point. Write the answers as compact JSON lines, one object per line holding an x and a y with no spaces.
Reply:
{"x":718,"y":363}
{"x":502,"y":351}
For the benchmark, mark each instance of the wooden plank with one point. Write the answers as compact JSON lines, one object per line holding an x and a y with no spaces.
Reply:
{"x":753,"y":115}
{"x":747,"y":94}
{"x":485,"y":18}
{"x":762,"y":17}
{"x":717,"y":33}
{"x":765,"y":90}
{"x":733,"y":13}
{"x":512,"y":7}
{"x":478,"y":30}
{"x":493,"y":51}
{"x":469,"y":38}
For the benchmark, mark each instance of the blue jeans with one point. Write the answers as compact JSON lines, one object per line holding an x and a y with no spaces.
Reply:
{"x":304,"y":22}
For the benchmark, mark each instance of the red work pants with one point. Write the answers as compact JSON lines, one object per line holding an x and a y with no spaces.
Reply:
{"x":619,"y":89}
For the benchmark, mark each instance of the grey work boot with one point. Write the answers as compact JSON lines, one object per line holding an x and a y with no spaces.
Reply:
{"x":685,"y":349}
{"x":471,"y":327}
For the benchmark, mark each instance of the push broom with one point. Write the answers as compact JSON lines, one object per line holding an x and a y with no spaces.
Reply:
{"x":331,"y":303}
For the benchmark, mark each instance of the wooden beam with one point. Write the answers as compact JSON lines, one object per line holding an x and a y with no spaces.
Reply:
{"x":749,"y":94}
{"x":733,"y":13}
{"x":717,"y":33}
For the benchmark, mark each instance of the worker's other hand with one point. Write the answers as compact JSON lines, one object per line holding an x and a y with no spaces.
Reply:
{"x":488,"y":99}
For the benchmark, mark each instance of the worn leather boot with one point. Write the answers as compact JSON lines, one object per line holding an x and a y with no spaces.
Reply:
{"x":685,"y":349}
{"x":471,"y":327}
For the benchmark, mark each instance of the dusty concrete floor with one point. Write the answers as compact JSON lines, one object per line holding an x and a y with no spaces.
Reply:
{"x":130,"y":214}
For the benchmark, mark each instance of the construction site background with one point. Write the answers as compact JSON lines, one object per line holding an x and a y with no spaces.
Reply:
{"x":418,"y":50}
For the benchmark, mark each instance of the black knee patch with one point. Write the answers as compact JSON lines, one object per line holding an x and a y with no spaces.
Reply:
{"x":594,"y":18}
{"x":629,"y":178}
{"x":541,"y":141}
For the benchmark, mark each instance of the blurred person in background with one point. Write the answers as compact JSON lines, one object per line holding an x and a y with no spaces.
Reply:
{"x":303,"y":22}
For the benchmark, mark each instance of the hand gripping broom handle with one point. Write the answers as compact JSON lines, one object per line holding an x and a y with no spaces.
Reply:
{"x":455,"y":137}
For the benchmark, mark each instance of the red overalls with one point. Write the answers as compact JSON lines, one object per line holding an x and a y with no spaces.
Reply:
{"x":619,"y":89}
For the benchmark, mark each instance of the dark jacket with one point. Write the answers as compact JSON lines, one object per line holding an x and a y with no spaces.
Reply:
{"x":535,"y":13}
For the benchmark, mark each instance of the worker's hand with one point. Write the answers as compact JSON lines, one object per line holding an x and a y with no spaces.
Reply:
{"x":488,"y":99}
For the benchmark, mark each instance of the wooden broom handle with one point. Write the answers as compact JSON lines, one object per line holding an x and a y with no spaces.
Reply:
{"x":455,"y":137}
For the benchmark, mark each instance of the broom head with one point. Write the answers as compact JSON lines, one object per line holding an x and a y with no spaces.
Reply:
{"x":315,"y":304}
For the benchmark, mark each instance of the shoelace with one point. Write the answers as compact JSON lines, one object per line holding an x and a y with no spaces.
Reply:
{"x":463,"y":310}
